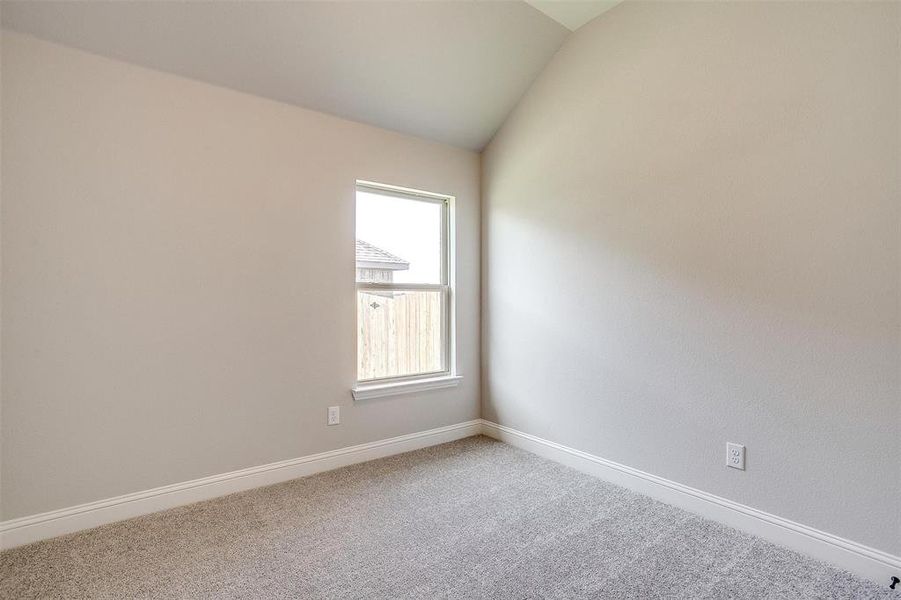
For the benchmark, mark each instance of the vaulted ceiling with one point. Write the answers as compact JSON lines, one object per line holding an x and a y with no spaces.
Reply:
{"x":572,"y":14}
{"x":448,"y":71}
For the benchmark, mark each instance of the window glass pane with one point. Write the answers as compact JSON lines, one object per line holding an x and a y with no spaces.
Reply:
{"x":398,"y":333}
{"x":398,"y":239}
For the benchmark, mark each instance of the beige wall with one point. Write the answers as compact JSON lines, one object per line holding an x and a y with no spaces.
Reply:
{"x":691,"y":236}
{"x":178,"y":278}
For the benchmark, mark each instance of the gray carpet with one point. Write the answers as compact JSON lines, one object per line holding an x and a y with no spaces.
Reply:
{"x":470,"y":519}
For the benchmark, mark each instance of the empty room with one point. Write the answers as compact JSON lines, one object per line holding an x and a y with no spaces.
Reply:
{"x":462,"y":299}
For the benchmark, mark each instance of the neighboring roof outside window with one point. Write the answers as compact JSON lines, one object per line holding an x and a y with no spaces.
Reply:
{"x":373,"y":257}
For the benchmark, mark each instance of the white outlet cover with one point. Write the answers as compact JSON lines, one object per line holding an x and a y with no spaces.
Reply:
{"x":735,"y":456}
{"x":334,"y":415}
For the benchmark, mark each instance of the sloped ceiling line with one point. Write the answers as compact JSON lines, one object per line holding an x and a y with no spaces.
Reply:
{"x":441,"y":70}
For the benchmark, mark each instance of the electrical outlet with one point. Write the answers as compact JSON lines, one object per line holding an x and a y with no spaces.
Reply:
{"x":735,"y":456}
{"x":334,"y":415}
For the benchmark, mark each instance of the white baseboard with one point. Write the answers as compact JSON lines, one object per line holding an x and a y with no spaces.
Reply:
{"x":33,"y":528}
{"x":861,"y":560}
{"x":866,"y":562}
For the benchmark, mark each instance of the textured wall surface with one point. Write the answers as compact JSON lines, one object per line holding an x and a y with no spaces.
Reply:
{"x":691,"y":236}
{"x":178,"y":278}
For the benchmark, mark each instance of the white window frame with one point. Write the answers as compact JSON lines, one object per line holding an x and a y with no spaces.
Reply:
{"x":448,"y":377}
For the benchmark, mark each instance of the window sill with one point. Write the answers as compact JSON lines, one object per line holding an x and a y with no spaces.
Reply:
{"x":380,"y":390}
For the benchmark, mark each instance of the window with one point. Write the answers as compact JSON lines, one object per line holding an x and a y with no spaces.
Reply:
{"x":404,"y":293}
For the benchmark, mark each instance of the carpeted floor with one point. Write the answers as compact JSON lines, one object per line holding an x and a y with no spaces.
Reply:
{"x":470,"y":519}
